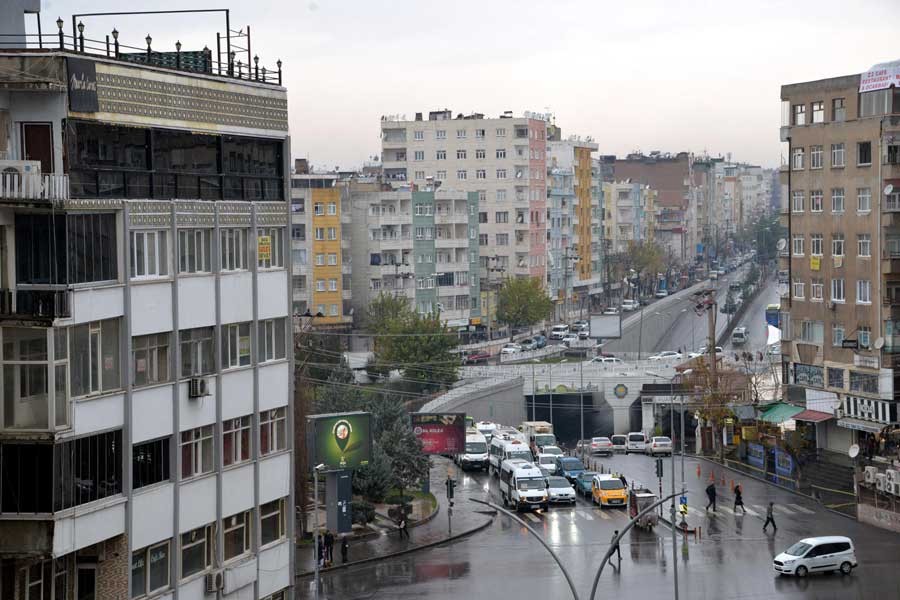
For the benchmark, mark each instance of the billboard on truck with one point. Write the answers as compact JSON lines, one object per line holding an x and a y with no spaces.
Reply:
{"x":339,"y":440}
{"x":440,"y":433}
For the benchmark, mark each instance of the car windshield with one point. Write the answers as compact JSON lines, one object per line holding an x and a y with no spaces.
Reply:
{"x":611,"y":484}
{"x":798,"y":549}
{"x":636,"y":438}
{"x":586,"y":476}
{"x":552,"y":450}
{"x":476,"y":447}
{"x":544,"y":439}
{"x":558,"y":482}
{"x":547,"y":460}
{"x":618,"y":439}
{"x":530,"y":483}
{"x":524,"y":454}
{"x":572,"y":464}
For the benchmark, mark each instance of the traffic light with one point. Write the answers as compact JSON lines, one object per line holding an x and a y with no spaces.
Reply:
{"x":451,"y":485}
{"x":659,"y":467}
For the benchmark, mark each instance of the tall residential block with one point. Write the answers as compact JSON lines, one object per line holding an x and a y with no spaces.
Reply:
{"x":841,"y":309}
{"x":145,"y":412}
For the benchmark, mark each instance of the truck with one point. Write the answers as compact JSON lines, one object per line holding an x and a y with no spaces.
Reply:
{"x":538,"y":434}
{"x":475,"y":454}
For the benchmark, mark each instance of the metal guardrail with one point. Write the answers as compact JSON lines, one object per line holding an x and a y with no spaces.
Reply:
{"x":33,"y":186}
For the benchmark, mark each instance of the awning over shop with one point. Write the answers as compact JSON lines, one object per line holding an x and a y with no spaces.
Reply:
{"x":860,"y":425}
{"x":813,"y":416}
{"x":780,"y":412}
{"x":744,"y":412}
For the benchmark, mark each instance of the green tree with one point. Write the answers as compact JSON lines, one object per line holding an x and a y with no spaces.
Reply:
{"x":340,"y":394}
{"x":409,"y":465}
{"x":386,"y":412}
{"x":384,"y":312}
{"x":730,"y":306}
{"x":373,"y":480}
{"x":421,"y":348}
{"x":523,"y":302}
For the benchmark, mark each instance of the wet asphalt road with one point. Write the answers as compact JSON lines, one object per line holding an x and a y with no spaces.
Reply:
{"x":732,"y":560}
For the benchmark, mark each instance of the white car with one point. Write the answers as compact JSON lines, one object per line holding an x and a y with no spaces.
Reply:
{"x":666,"y":355}
{"x":547,"y":462}
{"x":554,"y":450}
{"x":636,"y":442}
{"x":817,"y":555}
{"x":607,"y":360}
{"x":630,"y":305}
{"x":584,"y":334}
{"x":559,"y":332}
{"x":661,"y":293}
{"x":560,"y":490}
{"x":569,"y":338}
{"x":511,"y":349}
{"x":659,"y":445}
{"x":611,"y":311}
{"x":601,"y":445}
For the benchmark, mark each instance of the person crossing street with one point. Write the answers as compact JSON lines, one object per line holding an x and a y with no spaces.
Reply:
{"x":739,"y":499}
{"x":711,"y":494}
{"x":770,"y":517}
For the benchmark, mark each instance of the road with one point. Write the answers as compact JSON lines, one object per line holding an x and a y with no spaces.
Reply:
{"x":754,"y":319}
{"x":732,"y":560}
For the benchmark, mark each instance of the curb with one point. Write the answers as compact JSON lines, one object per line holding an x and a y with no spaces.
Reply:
{"x":412,"y":525}
{"x":795,"y":492}
{"x":372,"y":559}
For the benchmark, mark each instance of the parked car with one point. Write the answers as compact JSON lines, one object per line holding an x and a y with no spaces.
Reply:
{"x":619,"y":442}
{"x":569,"y":338}
{"x":560,"y":490}
{"x":666,"y":355}
{"x":539,"y":341}
{"x":511,"y":349}
{"x":661,"y":293}
{"x":607,"y":360}
{"x":476,"y":356}
{"x":559,"y":332}
{"x":659,"y":445}
{"x":527,"y":344}
{"x":630,"y":305}
{"x":612,"y":310}
{"x":601,"y":445}
{"x":637,"y":441}
{"x":583,"y":483}
{"x":817,"y":555}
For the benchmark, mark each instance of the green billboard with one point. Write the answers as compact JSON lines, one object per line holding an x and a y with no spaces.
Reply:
{"x":339,"y":440}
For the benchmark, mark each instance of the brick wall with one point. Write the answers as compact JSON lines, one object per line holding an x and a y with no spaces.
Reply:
{"x":112,"y":573}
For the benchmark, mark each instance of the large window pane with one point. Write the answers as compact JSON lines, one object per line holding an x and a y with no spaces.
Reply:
{"x":150,"y":463}
{"x":87,"y":469}
{"x":31,"y":467}
{"x":95,"y":358}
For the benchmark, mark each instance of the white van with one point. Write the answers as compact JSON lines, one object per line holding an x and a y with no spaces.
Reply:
{"x":522,"y":485}
{"x":637,"y":442}
{"x":559,"y":332}
{"x":817,"y":555}
{"x":505,"y":448}
{"x":476,"y":452}
{"x":487,"y":429}
{"x":739,"y":336}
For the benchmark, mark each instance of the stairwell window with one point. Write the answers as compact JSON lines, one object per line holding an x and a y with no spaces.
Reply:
{"x":149,"y":254}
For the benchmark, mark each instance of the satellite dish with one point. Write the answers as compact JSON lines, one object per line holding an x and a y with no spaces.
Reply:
{"x":879,"y":343}
{"x":888,"y":189}
{"x":782,"y":244}
{"x":853,"y":452}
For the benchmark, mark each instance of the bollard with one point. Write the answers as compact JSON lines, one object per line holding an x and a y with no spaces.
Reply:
{"x":698,"y":471}
{"x":712,"y":477}
{"x":732,"y":486}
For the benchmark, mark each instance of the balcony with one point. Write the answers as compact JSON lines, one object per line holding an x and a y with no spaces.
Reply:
{"x":396,"y":242}
{"x":43,"y":305}
{"x":890,"y":262}
{"x":451,"y":242}
{"x":451,"y":217}
{"x":35,"y":187}
{"x":397,"y":269}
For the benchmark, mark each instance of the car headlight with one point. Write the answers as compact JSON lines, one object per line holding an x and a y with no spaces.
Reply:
{"x":789,"y":562}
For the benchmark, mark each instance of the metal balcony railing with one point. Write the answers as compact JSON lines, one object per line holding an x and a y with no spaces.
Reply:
{"x":33,"y":186}
{"x":40,"y":304}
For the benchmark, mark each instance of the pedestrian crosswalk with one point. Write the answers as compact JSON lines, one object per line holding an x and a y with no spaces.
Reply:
{"x":802,"y":509}
{"x":532,"y":517}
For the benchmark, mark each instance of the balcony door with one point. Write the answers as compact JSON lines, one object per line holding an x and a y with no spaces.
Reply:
{"x":37,"y":144}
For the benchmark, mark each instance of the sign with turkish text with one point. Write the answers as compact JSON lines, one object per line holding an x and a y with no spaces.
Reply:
{"x":440,"y":433}
{"x":340,"y":440}
{"x":264,"y":247}
{"x":82,"y":84}
{"x":815,"y":263}
{"x":852,"y":344}
{"x":880,"y":77}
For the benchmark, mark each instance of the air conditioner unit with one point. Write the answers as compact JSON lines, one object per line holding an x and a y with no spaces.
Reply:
{"x":870,"y":474}
{"x":879,"y":482}
{"x":892,"y":476}
{"x":197,"y":387}
{"x":894,"y":488}
{"x":215,"y":581}
{"x":839,"y":412}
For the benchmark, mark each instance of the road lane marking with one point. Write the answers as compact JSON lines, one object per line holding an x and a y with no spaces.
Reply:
{"x":726,"y":509}
{"x":802,"y":509}
{"x":603,"y":514}
{"x":585,"y":515}
{"x":784,"y":510}
{"x":531,"y":517}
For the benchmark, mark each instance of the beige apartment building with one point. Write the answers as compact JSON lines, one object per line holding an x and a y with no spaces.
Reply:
{"x":841,"y":309}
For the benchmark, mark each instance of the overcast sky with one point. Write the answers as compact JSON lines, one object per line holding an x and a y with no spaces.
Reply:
{"x":652,"y":75}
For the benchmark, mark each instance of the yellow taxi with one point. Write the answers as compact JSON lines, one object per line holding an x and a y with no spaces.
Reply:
{"x":607,"y":490}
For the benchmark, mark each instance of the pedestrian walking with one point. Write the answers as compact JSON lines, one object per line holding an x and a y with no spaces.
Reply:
{"x":616,"y":549}
{"x":622,"y":479}
{"x":739,"y":499}
{"x":345,"y":549}
{"x":402,"y":527}
{"x":320,"y":551}
{"x":770,"y":517}
{"x":329,"y":547}
{"x":711,"y":494}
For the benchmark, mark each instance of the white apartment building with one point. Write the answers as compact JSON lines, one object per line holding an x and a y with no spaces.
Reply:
{"x":503,"y":160}
{"x":145,"y":413}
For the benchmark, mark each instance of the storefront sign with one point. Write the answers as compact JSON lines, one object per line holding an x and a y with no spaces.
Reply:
{"x":440,"y":433}
{"x":756,"y":455}
{"x":82,"y":85}
{"x":880,"y":77}
{"x":868,"y":362}
{"x":852,"y":344}
{"x":264,"y":247}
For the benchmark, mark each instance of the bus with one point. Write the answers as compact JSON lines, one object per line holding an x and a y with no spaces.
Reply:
{"x":772,"y":311}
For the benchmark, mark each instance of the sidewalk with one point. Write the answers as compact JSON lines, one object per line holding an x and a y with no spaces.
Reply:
{"x":387,"y":543}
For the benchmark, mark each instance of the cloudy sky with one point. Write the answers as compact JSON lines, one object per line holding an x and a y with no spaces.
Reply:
{"x":639,"y":75}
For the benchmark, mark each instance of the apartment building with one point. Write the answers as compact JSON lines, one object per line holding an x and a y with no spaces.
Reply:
{"x":321,"y":282}
{"x":841,"y":309}
{"x":630,"y":209}
{"x":145,"y":411}
{"x":503,"y":160}
{"x":422,"y":245}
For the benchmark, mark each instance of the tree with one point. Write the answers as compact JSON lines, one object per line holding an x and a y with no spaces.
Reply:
{"x":340,"y":393}
{"x":523,"y":302}
{"x":409,"y":465}
{"x":730,"y":306}
{"x":373,"y":480}
{"x":421,"y":347}
{"x":385,"y":311}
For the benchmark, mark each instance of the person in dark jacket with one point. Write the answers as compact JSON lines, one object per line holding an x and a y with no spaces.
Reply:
{"x":622,"y":479}
{"x":711,"y":494}
{"x":739,"y":499}
{"x":329,"y":547}
{"x":770,"y":518}
{"x":616,"y":548}
{"x":345,"y":549}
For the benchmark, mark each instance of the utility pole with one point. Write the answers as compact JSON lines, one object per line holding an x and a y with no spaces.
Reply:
{"x":711,"y":310}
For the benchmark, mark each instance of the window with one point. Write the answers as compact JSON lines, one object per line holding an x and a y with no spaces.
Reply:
{"x":835,"y":375}
{"x":332,"y":233}
{"x":837,"y":155}
{"x":196,"y":451}
{"x":197,"y":351}
{"x":86,"y":469}
{"x":43,"y":580}
{"x":237,"y":534}
{"x":460,"y":155}
{"x":500,"y":196}
{"x":479,"y":134}
{"x":799,"y":114}
{"x":815,"y":244}
{"x":320,"y":285}
{"x":271,"y":340}
{"x":271,"y":521}
{"x":236,"y":345}
{"x":319,"y":209}
{"x":863,"y":382}
{"x":892,"y":202}
{"x":424,"y":233}
{"x":480,"y":174}
{"x":837,"y":290}
{"x":332,"y":259}
{"x":798,"y":289}
{"x":864,"y":333}
{"x":838,"y":109}
{"x":91,"y":248}
{"x":150,"y":462}
{"x":503,"y":239}
{"x":501,"y":217}
{"x":298,"y":232}
{"x":501,"y":153}
{"x":275,"y":259}
{"x":812,"y":332}
{"x":95,"y":358}
{"x":479,"y":153}
{"x":815,"y":200}
{"x":150,"y":358}
{"x":194,"y":250}
{"x":272,"y":431}
{"x":440,"y":134}
{"x":320,"y":260}
{"x":798,"y":245}
{"x":441,"y":155}
{"x":837,"y":244}
{"x":501,"y":173}
{"x":418,"y":136}
{"x":816,"y":290}
{"x":419,"y":175}
{"x":864,"y":153}
{"x":875,"y":103}
{"x":864,"y":245}
{"x":797,"y":159}
{"x":863,"y":291}
{"x":501,"y":132}
{"x":482,"y":217}
{"x":320,"y":233}
{"x":837,"y":334}
{"x":234,"y":249}
{"x":837,"y":200}
{"x":816,"y":157}
{"x":482,"y":239}
{"x":797,"y":201}
{"x":150,"y":569}
{"x":236,"y":440}
{"x":149,"y":254}
{"x":196,"y":550}
{"x":461,"y":174}
{"x":332,"y":208}
{"x":460,"y":134}
{"x":818,"y":112}
{"x":332,"y":285}
{"x":863,"y":199}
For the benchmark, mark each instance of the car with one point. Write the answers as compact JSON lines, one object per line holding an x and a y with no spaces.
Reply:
{"x":619,"y":442}
{"x":554,"y":450}
{"x":560,"y":490}
{"x":583,"y":483}
{"x":611,"y":311}
{"x":582,"y":444}
{"x":580,"y":323}
{"x":527,"y":344}
{"x":739,"y":336}
{"x":584,"y":333}
{"x":539,"y":341}
{"x":774,"y":350}
{"x":607,"y":360}
{"x":559,"y":332}
{"x":659,"y":445}
{"x":511,"y":349}
{"x":607,"y":490}
{"x":476,"y":356}
{"x":546,"y":461}
{"x":601,"y":445}
{"x":636,"y":442}
{"x":569,"y":338}
{"x":569,"y":467}
{"x":667,"y":355}
{"x":661,"y":293}
{"x":630,"y":305}
{"x":817,"y":555}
